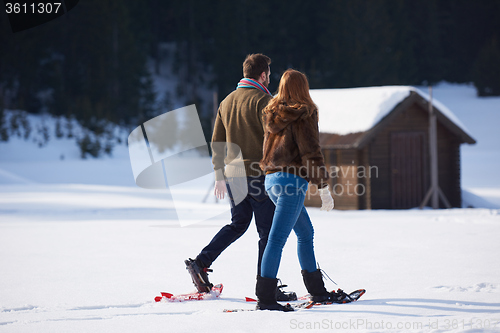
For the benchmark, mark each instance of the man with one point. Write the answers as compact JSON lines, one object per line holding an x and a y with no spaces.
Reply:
{"x":239,"y":122}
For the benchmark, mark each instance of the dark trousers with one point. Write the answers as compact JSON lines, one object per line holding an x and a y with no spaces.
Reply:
{"x":256,"y":202}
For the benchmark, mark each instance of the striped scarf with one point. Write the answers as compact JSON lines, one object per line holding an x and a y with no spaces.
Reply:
{"x":249,"y":83}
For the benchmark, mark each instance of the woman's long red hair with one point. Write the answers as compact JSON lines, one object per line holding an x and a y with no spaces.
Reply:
{"x":293,"y":91}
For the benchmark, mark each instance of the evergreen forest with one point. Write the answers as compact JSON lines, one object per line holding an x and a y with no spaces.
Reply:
{"x":97,"y":63}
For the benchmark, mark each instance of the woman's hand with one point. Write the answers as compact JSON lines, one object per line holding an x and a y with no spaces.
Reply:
{"x":326,"y":199}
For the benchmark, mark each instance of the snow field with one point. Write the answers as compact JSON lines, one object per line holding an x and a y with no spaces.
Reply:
{"x":82,"y":249}
{"x":98,"y":268}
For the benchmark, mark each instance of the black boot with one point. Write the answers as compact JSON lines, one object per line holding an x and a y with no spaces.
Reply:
{"x":199,"y":275}
{"x":316,"y":287}
{"x":266,"y":294}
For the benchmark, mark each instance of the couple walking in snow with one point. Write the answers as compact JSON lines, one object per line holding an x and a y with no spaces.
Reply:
{"x":279,"y":134}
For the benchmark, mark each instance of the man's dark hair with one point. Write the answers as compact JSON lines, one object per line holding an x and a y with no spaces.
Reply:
{"x":255,"y":64}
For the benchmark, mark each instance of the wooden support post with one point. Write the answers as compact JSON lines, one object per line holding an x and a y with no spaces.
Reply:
{"x":434,"y":192}
{"x":433,"y":149}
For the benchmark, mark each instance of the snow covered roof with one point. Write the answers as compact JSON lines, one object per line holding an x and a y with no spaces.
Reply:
{"x":353,"y":110}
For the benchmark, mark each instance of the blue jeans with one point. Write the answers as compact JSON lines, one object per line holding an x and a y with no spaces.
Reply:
{"x":288,"y":192}
{"x":255,"y":203}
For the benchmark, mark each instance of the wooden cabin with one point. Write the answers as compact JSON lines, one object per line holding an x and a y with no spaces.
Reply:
{"x":376,"y":146}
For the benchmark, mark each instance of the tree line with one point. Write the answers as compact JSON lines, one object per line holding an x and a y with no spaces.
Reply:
{"x":92,"y":63}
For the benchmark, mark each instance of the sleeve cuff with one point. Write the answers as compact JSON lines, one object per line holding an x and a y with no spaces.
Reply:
{"x":219,"y":174}
{"x":325,"y":189}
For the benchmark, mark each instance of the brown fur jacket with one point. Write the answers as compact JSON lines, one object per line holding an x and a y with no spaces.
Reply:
{"x":291,"y":143}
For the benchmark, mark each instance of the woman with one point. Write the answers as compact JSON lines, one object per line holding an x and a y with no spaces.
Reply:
{"x":292,"y":159}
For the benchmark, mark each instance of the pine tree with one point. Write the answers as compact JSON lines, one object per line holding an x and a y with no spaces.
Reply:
{"x":486,"y":70}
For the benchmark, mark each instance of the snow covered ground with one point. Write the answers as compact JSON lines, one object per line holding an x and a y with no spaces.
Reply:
{"x":82,"y":249}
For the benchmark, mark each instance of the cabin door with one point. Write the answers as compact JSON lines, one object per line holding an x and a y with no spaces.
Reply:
{"x":407,"y":165}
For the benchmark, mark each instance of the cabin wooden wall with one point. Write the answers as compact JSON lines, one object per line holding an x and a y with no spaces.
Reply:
{"x":344,"y":190}
{"x":350,"y":183}
{"x":364,"y":200}
{"x":449,"y":167}
{"x":413,"y":119}
{"x":375,"y":158}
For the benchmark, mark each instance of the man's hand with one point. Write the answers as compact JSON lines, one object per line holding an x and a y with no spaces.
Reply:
{"x":220,"y":189}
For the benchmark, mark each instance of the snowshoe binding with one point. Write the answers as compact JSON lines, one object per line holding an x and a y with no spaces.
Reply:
{"x":284,"y":296}
{"x":199,"y":275}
